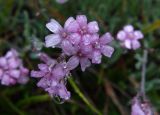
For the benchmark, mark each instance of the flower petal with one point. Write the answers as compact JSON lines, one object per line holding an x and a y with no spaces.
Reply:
{"x":7,"y":80}
{"x":72,"y":27}
{"x":96,"y":57}
{"x":121,"y":35}
{"x":128,"y":28}
{"x":86,"y":39}
{"x":138,"y":34}
{"x":106,"y":38}
{"x":58,"y":72}
{"x":72,"y":63}
{"x":86,"y":49}
{"x":54,"y":26}
{"x":14,"y":73}
{"x":75,"y":38}
{"x":14,"y":63}
{"x":68,"y":22}
{"x":1,"y":73}
{"x":37,"y":74}
{"x":107,"y":50}
{"x":135,"y":44}
{"x":68,"y":48}
{"x":52,"y":40}
{"x":82,"y":20}
{"x":93,"y":27}
{"x":3,"y":62}
{"x":127,"y":44}
{"x":43,"y":67}
{"x":84,"y":62}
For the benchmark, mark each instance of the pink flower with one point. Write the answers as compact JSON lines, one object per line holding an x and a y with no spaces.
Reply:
{"x":79,"y":40}
{"x":129,"y":37}
{"x":60,"y":34}
{"x":140,"y":108}
{"x":52,"y":77}
{"x":100,"y":46}
{"x":12,"y":70}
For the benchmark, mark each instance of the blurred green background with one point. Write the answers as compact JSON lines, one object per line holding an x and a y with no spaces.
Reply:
{"x":108,"y":87}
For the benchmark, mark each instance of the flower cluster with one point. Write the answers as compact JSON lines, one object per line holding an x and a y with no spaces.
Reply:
{"x":140,"y":108}
{"x":80,"y":43}
{"x":79,"y":40}
{"x":53,"y":76}
{"x":129,"y":37}
{"x":12,"y":70}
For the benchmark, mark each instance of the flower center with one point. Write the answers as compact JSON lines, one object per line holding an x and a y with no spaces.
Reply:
{"x":64,"y":34}
{"x":130,"y":35}
{"x":83,"y":30}
{"x":97,"y":45}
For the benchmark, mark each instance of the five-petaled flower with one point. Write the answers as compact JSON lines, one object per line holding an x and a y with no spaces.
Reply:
{"x":129,"y":37}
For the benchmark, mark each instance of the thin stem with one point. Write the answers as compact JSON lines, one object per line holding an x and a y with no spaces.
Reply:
{"x":13,"y":107}
{"x":34,"y":99}
{"x":77,"y":90}
{"x":143,"y":74}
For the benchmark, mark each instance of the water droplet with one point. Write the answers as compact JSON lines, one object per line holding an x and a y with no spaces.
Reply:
{"x":58,"y":100}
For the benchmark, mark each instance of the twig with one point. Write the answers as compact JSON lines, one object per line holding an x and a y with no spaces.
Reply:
{"x":143,"y":74}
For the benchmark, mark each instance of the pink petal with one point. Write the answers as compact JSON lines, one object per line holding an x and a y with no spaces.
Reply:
{"x":106,"y":38}
{"x":13,"y":63}
{"x":52,"y":40}
{"x":7,"y":80}
{"x":96,"y":57}
{"x":135,"y":44}
{"x":138,"y":34}
{"x":72,"y":27}
{"x":37,"y":74}
{"x":68,"y":48}
{"x":68,"y":22}
{"x":107,"y":50}
{"x":75,"y":38}
{"x":128,"y":28}
{"x":121,"y":35}
{"x":45,"y":58}
{"x":127,"y":44}
{"x":136,"y":108}
{"x":1,"y":73}
{"x":93,"y":27}
{"x":12,"y":53}
{"x":73,"y":62}
{"x":54,"y":26}
{"x":3,"y":62}
{"x":58,"y":72}
{"x":82,"y":20}
{"x":85,"y":49}
{"x":15,"y":73}
{"x":24,"y":71}
{"x":43,"y":67}
{"x":86,"y":39}
{"x":84,"y":62}
{"x":44,"y":82}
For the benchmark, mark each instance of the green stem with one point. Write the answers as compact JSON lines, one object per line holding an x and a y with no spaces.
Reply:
{"x":34,"y":99}
{"x":12,"y":106}
{"x":77,"y":90}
